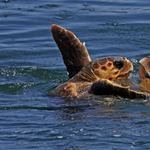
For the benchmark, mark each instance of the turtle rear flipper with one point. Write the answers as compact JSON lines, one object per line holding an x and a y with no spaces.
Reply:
{"x":74,"y":53}
{"x":106,"y":87}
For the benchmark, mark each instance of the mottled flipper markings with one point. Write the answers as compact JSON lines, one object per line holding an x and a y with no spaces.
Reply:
{"x":75,"y":54}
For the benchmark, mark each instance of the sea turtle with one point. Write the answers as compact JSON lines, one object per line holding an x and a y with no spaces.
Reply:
{"x":144,"y":72}
{"x":86,"y":76}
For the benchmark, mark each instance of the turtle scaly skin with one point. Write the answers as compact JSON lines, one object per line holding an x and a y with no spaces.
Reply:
{"x":86,"y":81}
{"x":88,"y":76}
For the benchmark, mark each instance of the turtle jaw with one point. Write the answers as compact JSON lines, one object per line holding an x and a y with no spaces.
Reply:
{"x":125,"y":72}
{"x":123,"y":76}
{"x":144,"y":69}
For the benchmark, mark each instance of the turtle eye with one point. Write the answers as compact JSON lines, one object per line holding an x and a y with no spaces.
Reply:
{"x":118,"y":64}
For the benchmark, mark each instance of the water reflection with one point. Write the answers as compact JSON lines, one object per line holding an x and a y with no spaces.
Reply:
{"x":88,"y":109}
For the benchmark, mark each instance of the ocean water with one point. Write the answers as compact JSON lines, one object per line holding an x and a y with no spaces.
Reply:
{"x":31,"y":66}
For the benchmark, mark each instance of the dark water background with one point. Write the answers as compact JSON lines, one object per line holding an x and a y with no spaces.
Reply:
{"x":31,"y":67}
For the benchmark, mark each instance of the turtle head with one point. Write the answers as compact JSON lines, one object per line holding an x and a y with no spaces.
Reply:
{"x":144,"y":69}
{"x":112,"y":68}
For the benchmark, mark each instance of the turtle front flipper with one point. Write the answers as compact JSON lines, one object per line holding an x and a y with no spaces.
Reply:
{"x":75,"y":54}
{"x":67,"y":89}
{"x":106,"y":87}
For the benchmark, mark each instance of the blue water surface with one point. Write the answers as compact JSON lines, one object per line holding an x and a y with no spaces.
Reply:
{"x":31,"y":66}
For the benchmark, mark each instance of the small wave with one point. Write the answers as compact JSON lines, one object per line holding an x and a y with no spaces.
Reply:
{"x":15,"y":87}
{"x":47,"y":6}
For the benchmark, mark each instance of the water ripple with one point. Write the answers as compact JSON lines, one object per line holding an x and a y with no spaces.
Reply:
{"x":31,"y":66}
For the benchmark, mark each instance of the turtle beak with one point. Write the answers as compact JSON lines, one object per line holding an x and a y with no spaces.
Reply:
{"x":125,"y":71}
{"x":129,"y":64}
{"x":128,"y":67}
